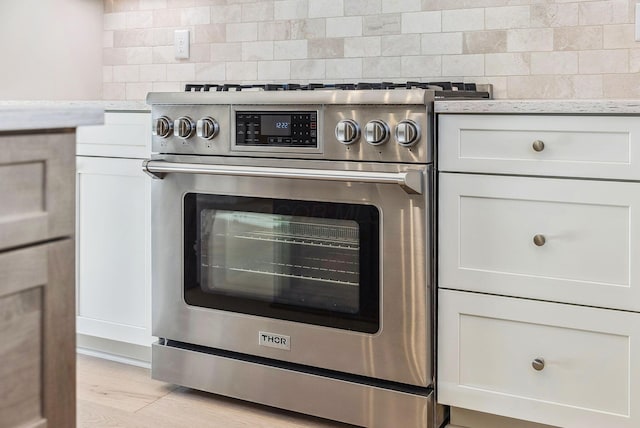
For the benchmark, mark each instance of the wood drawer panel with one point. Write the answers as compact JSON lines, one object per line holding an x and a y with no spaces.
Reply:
{"x":590,"y":376}
{"x":574,"y":146}
{"x":124,"y":134}
{"x":591,"y":230}
{"x":37,"y":188}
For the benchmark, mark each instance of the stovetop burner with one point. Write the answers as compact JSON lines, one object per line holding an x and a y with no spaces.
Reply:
{"x":441,"y":89}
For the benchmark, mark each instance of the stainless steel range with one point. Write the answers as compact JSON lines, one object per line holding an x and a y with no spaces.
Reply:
{"x":292,"y":246}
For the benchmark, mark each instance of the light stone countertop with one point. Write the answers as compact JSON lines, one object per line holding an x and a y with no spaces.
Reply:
{"x":105,"y":105}
{"x":20,"y":117}
{"x":620,"y":107}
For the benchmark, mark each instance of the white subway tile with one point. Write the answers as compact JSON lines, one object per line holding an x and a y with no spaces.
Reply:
{"x":242,"y":32}
{"x":308,"y":69}
{"x":325,"y":8}
{"x":225,"y":14}
{"x":490,"y":41}
{"x":577,"y":38}
{"x":195,"y":16}
{"x":115,"y":21}
{"x":496,"y":18}
{"x":326,"y":48}
{"x":164,"y":55}
{"x":262,"y":11}
{"x":152,"y":4}
{"x":185,"y":72}
{"x":139,"y":19}
{"x":422,"y":66}
{"x":290,"y":49}
{"x":126,"y":73}
{"x":114,"y":91}
{"x":603,"y":12}
{"x":257,"y":51}
{"x":153,"y":73}
{"x":441,"y":43}
{"x":391,"y":6}
{"x":344,"y":68}
{"x":143,"y":55}
{"x":377,"y":25}
{"x":168,"y":87}
{"x":308,"y":28}
{"x":530,"y":40}
{"x":239,"y":71}
{"x":402,"y":44}
{"x":422,"y":22}
{"x":463,"y":20}
{"x":603,"y":61}
{"x":274,"y":70}
{"x":226,"y":51}
{"x":290,"y":9}
{"x":619,"y":36}
{"x":362,"y":7}
{"x":138,"y":91}
{"x":362,"y":46}
{"x":387,"y":67}
{"x":554,"y":15}
{"x":344,"y":26}
{"x":211,"y":72}
{"x":211,"y":33}
{"x":554,"y":62}
{"x":507,"y":64}
{"x":463,"y":65}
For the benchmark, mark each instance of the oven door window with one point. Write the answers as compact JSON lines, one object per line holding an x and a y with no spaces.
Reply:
{"x":310,"y":262}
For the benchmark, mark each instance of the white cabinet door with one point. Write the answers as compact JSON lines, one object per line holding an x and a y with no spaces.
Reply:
{"x":562,"y":365}
{"x":572,"y":241}
{"x":113,"y":250}
{"x":124,"y":134}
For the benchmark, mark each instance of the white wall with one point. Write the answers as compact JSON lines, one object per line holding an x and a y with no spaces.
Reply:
{"x":51,"y":49}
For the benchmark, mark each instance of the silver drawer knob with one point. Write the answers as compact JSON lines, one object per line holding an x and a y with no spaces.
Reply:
{"x":538,"y":364}
{"x":538,"y":146}
{"x":539,"y":240}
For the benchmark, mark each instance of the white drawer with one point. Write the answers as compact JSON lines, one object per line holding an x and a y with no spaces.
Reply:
{"x":487,"y":226}
{"x":589,"y":378}
{"x":574,"y":146}
{"x":124,"y":135}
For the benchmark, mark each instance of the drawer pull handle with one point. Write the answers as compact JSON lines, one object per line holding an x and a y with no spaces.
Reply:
{"x":538,"y":146}
{"x":539,"y":240}
{"x":538,"y":364}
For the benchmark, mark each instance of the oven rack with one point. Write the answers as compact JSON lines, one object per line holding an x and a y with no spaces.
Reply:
{"x":283,"y":274}
{"x":299,"y":240}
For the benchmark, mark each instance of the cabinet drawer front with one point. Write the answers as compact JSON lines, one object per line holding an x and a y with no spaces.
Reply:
{"x":491,"y":233}
{"x":573,"y":146}
{"x":586,"y":374}
{"x":36,"y":187}
{"x":124,"y":134}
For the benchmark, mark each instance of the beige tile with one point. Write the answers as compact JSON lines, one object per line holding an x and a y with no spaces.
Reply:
{"x":308,"y":69}
{"x":361,"y":46}
{"x":210,"y":72}
{"x":554,"y":63}
{"x":463,"y":20}
{"x":463,"y":65}
{"x":422,"y":22}
{"x":114,"y":91}
{"x":344,"y":68}
{"x":554,"y":15}
{"x":240,"y":71}
{"x":152,"y":4}
{"x":441,"y":43}
{"x":107,"y":39}
{"x":137,"y":91}
{"x":274,"y":30}
{"x":199,"y":53}
{"x":153,"y":72}
{"x":402,"y":44}
{"x":348,"y":26}
{"x":181,"y":72}
{"x":195,"y":16}
{"x":290,"y":9}
{"x":634,"y":60}
{"x":577,"y":38}
{"x":378,"y":25}
{"x":211,"y":33}
{"x":126,"y":73}
{"x":107,"y":73}
{"x":140,"y":19}
{"x":114,"y":21}
{"x":496,"y":18}
{"x":381,"y":67}
{"x":242,"y":32}
{"x":166,"y":18}
{"x":326,"y":48}
{"x":392,"y":6}
{"x":530,"y":40}
{"x":603,"y":12}
{"x":619,"y":86}
{"x":225,"y":14}
{"x":138,"y":56}
{"x":308,"y":29}
{"x":164,"y":55}
{"x":492,"y":41}
{"x":507,"y":64}
{"x":290,"y":49}
{"x":274,"y":70}
{"x":261,"y":11}
{"x":619,"y":36}
{"x":168,"y":87}
{"x":133,"y":38}
{"x":603,"y":61}
{"x":226,"y":51}
{"x":362,"y":7}
{"x":325,"y":8}
{"x":114,"y":56}
{"x":163,"y":36}
{"x":176,"y":4}
{"x":257,"y":51}
{"x":421,"y":66}
{"x":540,"y":87}
{"x":588,"y":86}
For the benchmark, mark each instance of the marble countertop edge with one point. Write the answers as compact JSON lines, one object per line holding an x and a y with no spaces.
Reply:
{"x":538,"y":106}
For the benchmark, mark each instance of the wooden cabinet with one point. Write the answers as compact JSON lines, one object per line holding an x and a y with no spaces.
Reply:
{"x":37,"y":321}
{"x":537,"y":259}
{"x":113,"y":231}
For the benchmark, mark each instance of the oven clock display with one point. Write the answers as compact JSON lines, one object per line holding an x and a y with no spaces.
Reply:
{"x":277,"y":129}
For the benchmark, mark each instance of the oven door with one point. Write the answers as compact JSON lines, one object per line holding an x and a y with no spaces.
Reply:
{"x":324,"y":264}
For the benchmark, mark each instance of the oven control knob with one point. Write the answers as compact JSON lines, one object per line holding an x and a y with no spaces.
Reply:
{"x":347,"y":131}
{"x":407,"y":133}
{"x":183,"y":127}
{"x":162,"y":127}
{"x":207,"y":128}
{"x":376,"y":132}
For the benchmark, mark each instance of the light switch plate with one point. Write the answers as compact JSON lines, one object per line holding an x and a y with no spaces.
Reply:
{"x":637,"y":22}
{"x":181,"y":43}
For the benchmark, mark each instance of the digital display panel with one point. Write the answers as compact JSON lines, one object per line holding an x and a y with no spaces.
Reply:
{"x":275,"y":124}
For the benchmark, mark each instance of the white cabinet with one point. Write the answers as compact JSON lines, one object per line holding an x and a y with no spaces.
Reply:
{"x":113,"y":201}
{"x":538,"y":243}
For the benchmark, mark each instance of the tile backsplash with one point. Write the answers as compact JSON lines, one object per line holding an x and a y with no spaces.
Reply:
{"x":527,"y":49}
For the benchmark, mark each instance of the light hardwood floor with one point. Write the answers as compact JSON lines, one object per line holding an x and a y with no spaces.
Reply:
{"x":111,"y":394}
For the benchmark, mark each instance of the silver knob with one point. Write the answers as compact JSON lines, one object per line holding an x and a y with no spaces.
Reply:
{"x":538,"y":364}
{"x":347,"y":131}
{"x":162,"y":127}
{"x":376,"y":132}
{"x":407,"y":133}
{"x":539,"y":240}
{"x":183,"y":127}
{"x":538,"y":146}
{"x":207,"y":128}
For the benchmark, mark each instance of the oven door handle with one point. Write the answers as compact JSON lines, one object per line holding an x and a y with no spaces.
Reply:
{"x":411,"y":181}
